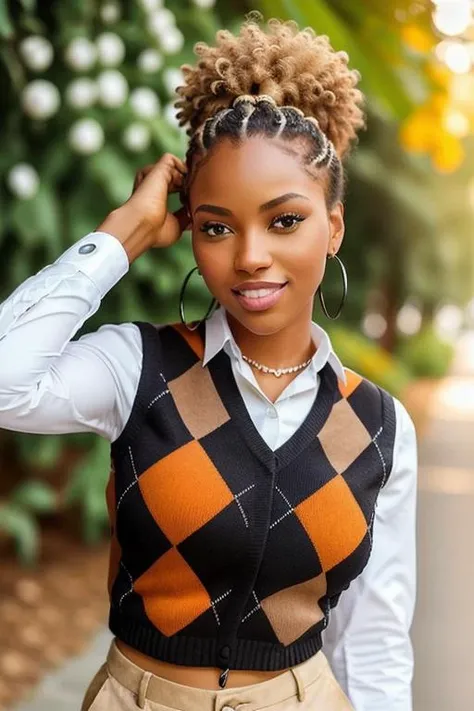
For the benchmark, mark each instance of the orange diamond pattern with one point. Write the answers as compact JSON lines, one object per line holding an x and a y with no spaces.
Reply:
{"x":168,"y":581}
{"x":333,"y":521}
{"x":187,"y":475}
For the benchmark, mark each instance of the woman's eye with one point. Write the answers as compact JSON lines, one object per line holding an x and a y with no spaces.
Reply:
{"x":214,"y":229}
{"x":287,"y":222}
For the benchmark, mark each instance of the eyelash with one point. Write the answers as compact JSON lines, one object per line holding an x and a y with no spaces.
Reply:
{"x":296,"y":216}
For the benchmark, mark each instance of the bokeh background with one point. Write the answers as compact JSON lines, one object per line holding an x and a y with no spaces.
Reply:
{"x":87,"y":90}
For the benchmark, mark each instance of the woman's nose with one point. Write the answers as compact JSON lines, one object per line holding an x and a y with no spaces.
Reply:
{"x":252,"y":253}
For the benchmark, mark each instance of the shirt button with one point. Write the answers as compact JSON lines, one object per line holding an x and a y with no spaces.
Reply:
{"x":271,"y":412}
{"x":227,"y":708}
{"x":87,"y":248}
{"x":225,"y":652}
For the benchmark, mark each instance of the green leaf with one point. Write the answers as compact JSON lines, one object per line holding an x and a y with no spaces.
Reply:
{"x":114,"y":174}
{"x":84,"y":209}
{"x":87,"y":486}
{"x":167,"y":138}
{"x":48,"y":217}
{"x":36,"y":496}
{"x":40,"y":452}
{"x":22,"y":220}
{"x":29,"y":5}
{"x":38,"y":219}
{"x":6,"y":26}
{"x":24,"y":530}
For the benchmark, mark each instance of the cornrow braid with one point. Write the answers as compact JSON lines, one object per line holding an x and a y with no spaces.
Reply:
{"x":252,"y":115}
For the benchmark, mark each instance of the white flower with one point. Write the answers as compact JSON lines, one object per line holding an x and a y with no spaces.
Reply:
{"x":170,"y":112}
{"x":113,"y":88}
{"x":172,"y":78}
{"x":136,"y":137}
{"x":144,"y":102}
{"x":37,"y":52}
{"x":23,"y":181}
{"x":150,"y":5}
{"x":82,"y":93}
{"x":111,"y":49}
{"x":40,"y":99}
{"x":81,"y":54}
{"x":86,"y":136}
{"x":204,"y":4}
{"x":150,"y":61}
{"x":110,"y":13}
{"x":160,"y":21}
{"x":172,"y":41}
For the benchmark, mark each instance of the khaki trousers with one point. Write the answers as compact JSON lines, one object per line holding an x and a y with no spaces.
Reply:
{"x":120,"y":685}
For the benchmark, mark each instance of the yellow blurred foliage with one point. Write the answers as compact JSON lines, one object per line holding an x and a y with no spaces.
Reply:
{"x":437,"y":127}
{"x":419,"y":131}
{"x":418,"y":38}
{"x":439,"y":73}
{"x":448,"y":154}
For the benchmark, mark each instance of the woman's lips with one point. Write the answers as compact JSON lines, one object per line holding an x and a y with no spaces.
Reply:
{"x":260,"y":303}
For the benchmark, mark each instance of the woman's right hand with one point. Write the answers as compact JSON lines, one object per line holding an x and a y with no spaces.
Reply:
{"x":144,"y":221}
{"x":151,"y":188}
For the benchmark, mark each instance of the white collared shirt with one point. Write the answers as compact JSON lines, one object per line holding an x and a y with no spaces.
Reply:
{"x":50,"y":384}
{"x":276,"y":421}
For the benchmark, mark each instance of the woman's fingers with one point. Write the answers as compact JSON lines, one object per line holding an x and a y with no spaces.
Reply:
{"x":182,"y":216}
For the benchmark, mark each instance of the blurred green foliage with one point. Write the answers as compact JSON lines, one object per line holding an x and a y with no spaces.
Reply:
{"x":19,"y":516}
{"x":426,"y":354}
{"x":365,"y":357}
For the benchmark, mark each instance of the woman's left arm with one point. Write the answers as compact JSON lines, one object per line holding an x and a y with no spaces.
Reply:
{"x":367,"y":641}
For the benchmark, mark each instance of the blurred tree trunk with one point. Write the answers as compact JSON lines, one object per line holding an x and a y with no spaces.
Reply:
{"x":390,"y":299}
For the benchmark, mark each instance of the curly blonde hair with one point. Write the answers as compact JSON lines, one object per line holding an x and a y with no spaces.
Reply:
{"x":296,"y":68}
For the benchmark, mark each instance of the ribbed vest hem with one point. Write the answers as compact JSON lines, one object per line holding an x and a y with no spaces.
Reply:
{"x":202,"y":652}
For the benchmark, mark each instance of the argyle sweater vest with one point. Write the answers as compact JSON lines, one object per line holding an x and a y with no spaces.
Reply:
{"x":225,"y":553}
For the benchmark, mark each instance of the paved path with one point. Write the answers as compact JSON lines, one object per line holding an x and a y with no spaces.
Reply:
{"x":443,"y":631}
{"x":63,"y":690}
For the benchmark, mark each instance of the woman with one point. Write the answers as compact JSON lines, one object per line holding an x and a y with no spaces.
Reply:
{"x":258,"y":487}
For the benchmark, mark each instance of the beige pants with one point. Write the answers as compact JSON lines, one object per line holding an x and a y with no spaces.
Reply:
{"x":120,"y":685}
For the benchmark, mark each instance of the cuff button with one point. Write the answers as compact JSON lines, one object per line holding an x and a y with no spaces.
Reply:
{"x":87,"y":248}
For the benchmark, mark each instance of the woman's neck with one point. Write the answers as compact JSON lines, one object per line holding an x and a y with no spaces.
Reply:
{"x":287,"y":347}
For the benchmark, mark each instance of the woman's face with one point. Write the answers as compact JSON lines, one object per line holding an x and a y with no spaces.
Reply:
{"x":259,"y":218}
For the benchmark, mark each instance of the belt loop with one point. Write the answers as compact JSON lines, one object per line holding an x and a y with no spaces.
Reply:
{"x":143,"y":689}
{"x":300,"y":690}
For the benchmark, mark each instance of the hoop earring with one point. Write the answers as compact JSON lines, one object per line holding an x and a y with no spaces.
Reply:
{"x":344,"y":293}
{"x":181,"y":303}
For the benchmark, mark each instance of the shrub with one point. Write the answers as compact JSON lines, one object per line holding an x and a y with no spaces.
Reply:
{"x":426,"y":354}
{"x":362,"y":355}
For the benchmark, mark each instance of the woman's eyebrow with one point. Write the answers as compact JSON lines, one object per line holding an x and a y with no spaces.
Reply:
{"x":279,"y":200}
{"x":266,"y":205}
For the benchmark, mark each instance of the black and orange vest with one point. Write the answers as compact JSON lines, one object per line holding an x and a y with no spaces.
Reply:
{"x":224,"y":552}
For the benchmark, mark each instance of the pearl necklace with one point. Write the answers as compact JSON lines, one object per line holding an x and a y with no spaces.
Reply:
{"x":279,"y":371}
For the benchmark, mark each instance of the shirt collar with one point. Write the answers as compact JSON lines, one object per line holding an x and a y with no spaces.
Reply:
{"x":218,"y":334}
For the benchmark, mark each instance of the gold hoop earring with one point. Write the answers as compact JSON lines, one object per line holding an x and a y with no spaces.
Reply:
{"x":181,"y":303}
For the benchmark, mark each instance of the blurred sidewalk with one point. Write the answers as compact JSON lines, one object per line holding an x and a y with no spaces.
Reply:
{"x":443,"y":630}
{"x":63,"y":689}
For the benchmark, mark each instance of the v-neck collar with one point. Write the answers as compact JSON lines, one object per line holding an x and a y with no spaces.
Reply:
{"x":220,"y":368}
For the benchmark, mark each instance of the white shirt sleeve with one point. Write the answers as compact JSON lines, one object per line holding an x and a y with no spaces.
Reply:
{"x":367,"y":641}
{"x":49,"y":384}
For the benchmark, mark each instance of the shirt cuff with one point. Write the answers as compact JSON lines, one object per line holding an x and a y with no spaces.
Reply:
{"x":101,"y":257}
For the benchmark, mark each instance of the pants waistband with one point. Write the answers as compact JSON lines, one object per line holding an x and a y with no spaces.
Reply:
{"x":146,"y":685}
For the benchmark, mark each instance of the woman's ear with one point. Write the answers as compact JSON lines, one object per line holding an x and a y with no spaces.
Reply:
{"x":337,"y":227}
